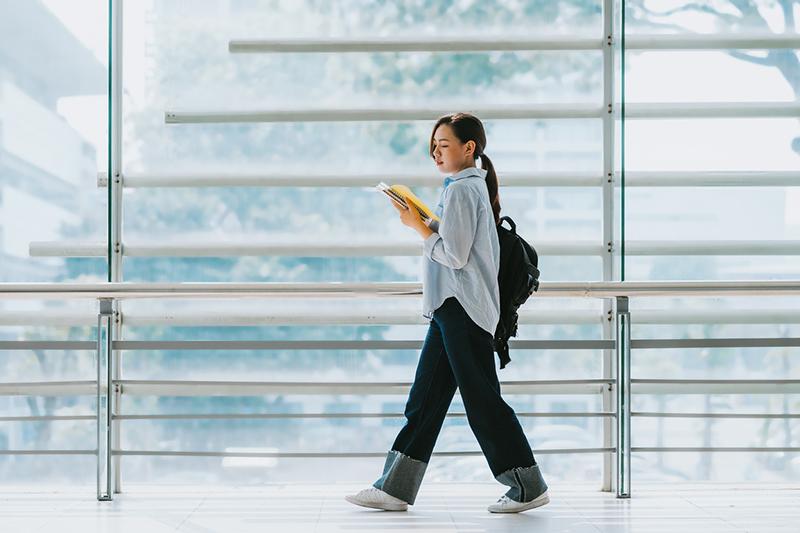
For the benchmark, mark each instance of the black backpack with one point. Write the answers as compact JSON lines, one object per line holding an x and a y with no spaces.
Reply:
{"x":518,"y":279}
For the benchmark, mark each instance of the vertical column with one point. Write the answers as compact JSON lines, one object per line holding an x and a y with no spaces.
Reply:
{"x":623,"y":384}
{"x":105,"y":399}
{"x":609,"y":273}
{"x":115,"y":187}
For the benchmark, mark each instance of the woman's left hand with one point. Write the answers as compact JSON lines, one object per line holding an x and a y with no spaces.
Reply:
{"x":409,"y":215}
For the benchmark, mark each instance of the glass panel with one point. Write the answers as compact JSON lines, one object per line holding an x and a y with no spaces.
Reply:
{"x":575,"y":468}
{"x":64,"y":471}
{"x":763,"y":466}
{"x":712,"y":213}
{"x":351,"y":269}
{"x":705,"y":16}
{"x":52,"y":135}
{"x":716,"y":76}
{"x":325,"y":436}
{"x":712,"y":144}
{"x":37,"y":365}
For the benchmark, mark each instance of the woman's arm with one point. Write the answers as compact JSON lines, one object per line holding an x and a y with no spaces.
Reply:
{"x":451,"y":246}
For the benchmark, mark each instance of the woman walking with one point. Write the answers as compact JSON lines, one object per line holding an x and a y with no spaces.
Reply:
{"x":461,"y":299}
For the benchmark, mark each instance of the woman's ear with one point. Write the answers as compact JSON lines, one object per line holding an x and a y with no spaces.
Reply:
{"x":471,"y":148}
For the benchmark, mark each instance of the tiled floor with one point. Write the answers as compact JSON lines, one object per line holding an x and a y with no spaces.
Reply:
{"x":440,"y":508}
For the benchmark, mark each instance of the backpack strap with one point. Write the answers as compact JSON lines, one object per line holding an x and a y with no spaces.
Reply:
{"x":510,"y":223}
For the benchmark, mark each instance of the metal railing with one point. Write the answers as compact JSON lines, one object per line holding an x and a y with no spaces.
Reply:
{"x":615,"y":383}
{"x":108,"y":387}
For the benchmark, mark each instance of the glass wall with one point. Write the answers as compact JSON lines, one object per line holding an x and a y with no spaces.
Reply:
{"x":708,"y":181}
{"x":713,"y":198}
{"x":177,"y":59}
{"x":53,"y":143}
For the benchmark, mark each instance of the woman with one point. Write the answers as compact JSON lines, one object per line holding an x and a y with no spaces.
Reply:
{"x":461,"y":299}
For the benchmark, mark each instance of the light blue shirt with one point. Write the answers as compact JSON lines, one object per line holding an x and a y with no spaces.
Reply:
{"x":462,"y":258}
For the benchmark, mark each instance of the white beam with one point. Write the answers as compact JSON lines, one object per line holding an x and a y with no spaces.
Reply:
{"x":261,"y":317}
{"x":713,"y":41}
{"x":283,"y":248}
{"x":228,"y":290}
{"x":314,"y":179}
{"x":382,"y":113}
{"x":752,"y":40}
{"x":702,"y":110}
{"x":217,"y":388}
{"x":474,"y":43}
{"x":712,"y":179}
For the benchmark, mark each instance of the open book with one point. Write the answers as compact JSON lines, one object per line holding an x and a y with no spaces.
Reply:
{"x":403,"y":195}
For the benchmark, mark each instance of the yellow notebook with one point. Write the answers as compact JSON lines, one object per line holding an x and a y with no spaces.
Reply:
{"x":404,"y":196}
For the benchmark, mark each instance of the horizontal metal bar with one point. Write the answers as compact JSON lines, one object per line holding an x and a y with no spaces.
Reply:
{"x":592,"y":289}
{"x":65,"y":249}
{"x":713,"y":248}
{"x":714,"y":316}
{"x":46,"y":418}
{"x":669,"y":110}
{"x":47,"y":345}
{"x":715,"y":449}
{"x":658,"y":110}
{"x":49,"y":388}
{"x":259,"y":416}
{"x":324,"y":249}
{"x":712,"y":179}
{"x":475,"y":43}
{"x":421,"y":179}
{"x":332,"y":455}
{"x":343,"y":345}
{"x":648,"y":414}
{"x":48,"y":452}
{"x":321,"y":248}
{"x":230,"y":388}
{"x":212,"y":290}
{"x":400,"y":344}
{"x":261,"y":317}
{"x":277,"y":248}
{"x":383,"y":113}
{"x":382,"y":316}
{"x":716,"y":386}
{"x":715,"y":41}
{"x":46,"y":317}
{"x":316,"y":180}
{"x":283,"y":316}
{"x":259,"y":388}
{"x":735,"y":342}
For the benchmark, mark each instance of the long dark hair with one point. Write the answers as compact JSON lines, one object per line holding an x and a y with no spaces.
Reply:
{"x":468,"y":127}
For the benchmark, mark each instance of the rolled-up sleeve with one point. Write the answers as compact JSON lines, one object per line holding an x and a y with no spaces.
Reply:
{"x":452,"y":244}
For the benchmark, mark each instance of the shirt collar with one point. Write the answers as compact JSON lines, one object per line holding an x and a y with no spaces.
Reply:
{"x":465,"y":173}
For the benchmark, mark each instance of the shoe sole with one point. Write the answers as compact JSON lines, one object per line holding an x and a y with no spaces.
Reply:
{"x":533,"y":504}
{"x":383,"y":507}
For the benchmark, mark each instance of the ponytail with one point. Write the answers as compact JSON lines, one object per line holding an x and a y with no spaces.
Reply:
{"x":492,"y":185}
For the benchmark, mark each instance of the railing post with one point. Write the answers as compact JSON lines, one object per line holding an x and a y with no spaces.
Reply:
{"x":105,"y":395}
{"x":623,"y":386}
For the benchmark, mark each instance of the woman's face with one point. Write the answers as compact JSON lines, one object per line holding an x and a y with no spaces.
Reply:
{"x":449,"y":154}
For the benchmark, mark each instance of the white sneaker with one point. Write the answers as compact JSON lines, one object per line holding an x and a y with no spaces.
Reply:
{"x":377,"y":499}
{"x":507,"y":505}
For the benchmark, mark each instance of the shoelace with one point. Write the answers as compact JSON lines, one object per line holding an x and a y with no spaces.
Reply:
{"x":503,"y":499}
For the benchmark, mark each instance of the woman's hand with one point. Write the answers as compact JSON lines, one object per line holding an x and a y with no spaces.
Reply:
{"x":408,"y":216}
{"x":411,"y":218}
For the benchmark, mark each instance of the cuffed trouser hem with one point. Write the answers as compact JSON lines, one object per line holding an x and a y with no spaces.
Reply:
{"x":526,"y":483}
{"x":402,"y":476}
